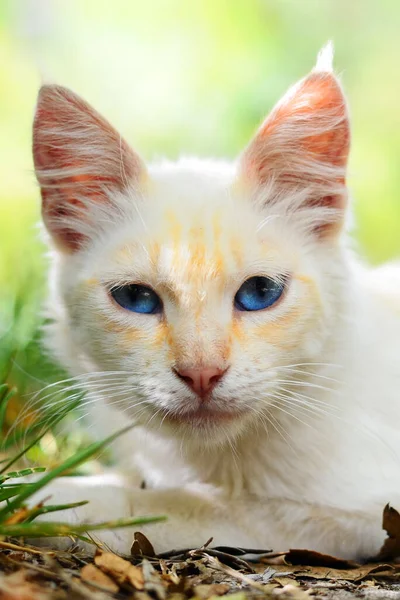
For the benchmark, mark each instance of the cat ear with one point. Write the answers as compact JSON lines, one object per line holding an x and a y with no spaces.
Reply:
{"x":299,"y":154}
{"x":81,"y":164}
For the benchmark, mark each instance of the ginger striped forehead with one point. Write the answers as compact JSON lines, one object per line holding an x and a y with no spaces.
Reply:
{"x":202,"y":250}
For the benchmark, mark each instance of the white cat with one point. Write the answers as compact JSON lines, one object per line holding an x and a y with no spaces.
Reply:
{"x":220,"y":307}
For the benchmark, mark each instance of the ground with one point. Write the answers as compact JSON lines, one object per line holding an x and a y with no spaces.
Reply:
{"x":29,"y":573}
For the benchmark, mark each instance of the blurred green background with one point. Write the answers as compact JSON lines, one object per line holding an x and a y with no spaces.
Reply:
{"x":184,"y":76}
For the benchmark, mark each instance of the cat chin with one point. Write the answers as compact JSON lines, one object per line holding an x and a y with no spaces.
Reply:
{"x":201,"y":427}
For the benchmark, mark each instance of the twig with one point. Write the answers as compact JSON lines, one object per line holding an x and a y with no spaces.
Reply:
{"x":10,"y":546}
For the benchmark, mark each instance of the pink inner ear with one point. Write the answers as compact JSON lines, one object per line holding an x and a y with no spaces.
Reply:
{"x":78,"y":158}
{"x":304,"y":144}
{"x":311,"y":119}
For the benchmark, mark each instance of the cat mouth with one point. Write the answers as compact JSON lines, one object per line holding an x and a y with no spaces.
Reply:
{"x":201,"y":416}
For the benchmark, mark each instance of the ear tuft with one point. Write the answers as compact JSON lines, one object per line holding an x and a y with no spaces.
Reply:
{"x":81,"y":162}
{"x":325,"y":59}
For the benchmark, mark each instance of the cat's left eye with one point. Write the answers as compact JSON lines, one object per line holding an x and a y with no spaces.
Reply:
{"x":258,"y":293}
{"x":137,"y":298}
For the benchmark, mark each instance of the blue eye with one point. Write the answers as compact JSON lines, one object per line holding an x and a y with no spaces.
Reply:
{"x":257,"y":293}
{"x":137,"y":298}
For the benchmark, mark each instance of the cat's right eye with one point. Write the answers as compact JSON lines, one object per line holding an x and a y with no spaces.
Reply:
{"x":137,"y":298}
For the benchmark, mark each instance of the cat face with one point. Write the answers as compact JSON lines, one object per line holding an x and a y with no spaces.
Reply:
{"x":198,"y":291}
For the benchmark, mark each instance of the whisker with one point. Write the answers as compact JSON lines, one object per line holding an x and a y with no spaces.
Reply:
{"x":279,"y":429}
{"x":310,"y":399}
{"x":277,"y":405}
{"x":298,"y":404}
{"x":299,"y":383}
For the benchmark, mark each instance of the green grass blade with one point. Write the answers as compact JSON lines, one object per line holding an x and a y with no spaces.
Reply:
{"x":36,"y":530}
{"x":5,"y":396}
{"x":50,"y":425}
{"x":22,"y":473}
{"x":9,"y":491}
{"x":72,"y":462}
{"x":49,"y":508}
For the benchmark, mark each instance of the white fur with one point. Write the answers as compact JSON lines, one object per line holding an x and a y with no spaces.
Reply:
{"x":325,"y":59}
{"x":314,"y":454}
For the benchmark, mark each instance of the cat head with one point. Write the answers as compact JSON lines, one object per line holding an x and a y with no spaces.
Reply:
{"x":196,"y":294}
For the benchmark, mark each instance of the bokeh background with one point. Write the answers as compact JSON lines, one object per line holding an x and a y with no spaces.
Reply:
{"x":183,"y":76}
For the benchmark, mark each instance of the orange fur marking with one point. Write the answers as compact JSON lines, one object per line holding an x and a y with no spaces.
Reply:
{"x":198,"y":247}
{"x":277,"y":331}
{"x":238,"y":331}
{"x":125,"y":253}
{"x":197,"y":260}
{"x":175,"y":232}
{"x":90,"y":282}
{"x":312,"y":286}
{"x":237,"y":251}
{"x":226,"y":349}
{"x":126,"y":335}
{"x":112,"y":327}
{"x":133,"y":335}
{"x":218,"y":256}
{"x":155,"y":253}
{"x":303,"y":278}
{"x":163,"y":335}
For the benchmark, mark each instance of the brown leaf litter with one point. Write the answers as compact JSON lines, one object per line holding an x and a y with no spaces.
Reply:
{"x":29,"y":573}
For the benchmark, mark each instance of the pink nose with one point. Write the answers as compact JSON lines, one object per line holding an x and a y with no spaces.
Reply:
{"x":202,"y":380}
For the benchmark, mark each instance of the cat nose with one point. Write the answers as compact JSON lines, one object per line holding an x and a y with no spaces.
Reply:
{"x":201,"y":380}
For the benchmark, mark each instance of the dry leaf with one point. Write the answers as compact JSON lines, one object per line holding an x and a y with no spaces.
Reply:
{"x":142,"y":545}
{"x":316,"y":559}
{"x":285,"y":581}
{"x":120,"y":569}
{"x":391,"y":524}
{"x":214,"y":589}
{"x":92,"y":574}
{"x":292,"y":592}
{"x":18,"y":587}
{"x":328,"y":574}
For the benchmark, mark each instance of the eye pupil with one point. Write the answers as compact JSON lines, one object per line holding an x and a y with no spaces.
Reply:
{"x":258,"y":293}
{"x":261,"y":288}
{"x":137,"y":298}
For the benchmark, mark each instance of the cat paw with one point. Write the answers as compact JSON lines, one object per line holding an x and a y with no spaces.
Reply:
{"x":108,"y":499}
{"x":191,"y":515}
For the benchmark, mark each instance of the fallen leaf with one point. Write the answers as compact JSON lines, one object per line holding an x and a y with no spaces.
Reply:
{"x":120,"y":569}
{"x":274,"y":558}
{"x":391,"y":524}
{"x":358,"y":575}
{"x":18,"y":587}
{"x":214,"y":589}
{"x":293,"y":592}
{"x":92,"y":574}
{"x":316,"y":559}
{"x":142,"y":545}
{"x":286,"y":581}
